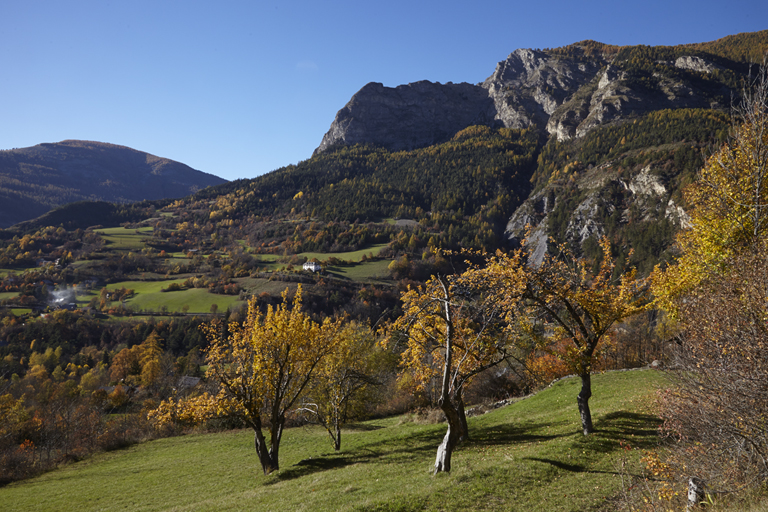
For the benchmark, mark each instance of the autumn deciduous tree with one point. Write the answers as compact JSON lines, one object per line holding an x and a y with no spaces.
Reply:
{"x":719,"y":407}
{"x":718,"y":293}
{"x":451,"y":332}
{"x":264,"y":365}
{"x":139,"y":364}
{"x":728,"y":203}
{"x":342,"y":380}
{"x":562,"y":299}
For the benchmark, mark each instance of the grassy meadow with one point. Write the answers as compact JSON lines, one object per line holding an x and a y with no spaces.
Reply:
{"x":149,"y":297}
{"x":364,"y":271}
{"x":346,"y":256}
{"x":123,"y":239}
{"x":526,"y":456}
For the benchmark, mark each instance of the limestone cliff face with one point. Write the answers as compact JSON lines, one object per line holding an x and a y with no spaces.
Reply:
{"x":644,"y":193}
{"x":408,"y":116}
{"x":530,"y":85}
{"x":523,"y":91}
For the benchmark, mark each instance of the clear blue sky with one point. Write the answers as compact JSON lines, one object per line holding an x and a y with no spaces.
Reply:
{"x":240,"y":88}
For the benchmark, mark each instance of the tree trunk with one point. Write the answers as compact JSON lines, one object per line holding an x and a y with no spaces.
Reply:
{"x":452,"y":438}
{"x":456,"y":428}
{"x":464,"y":433}
{"x":337,"y":437}
{"x":583,"y":401}
{"x":268,"y":465}
{"x":696,"y":492}
{"x":276,"y":433}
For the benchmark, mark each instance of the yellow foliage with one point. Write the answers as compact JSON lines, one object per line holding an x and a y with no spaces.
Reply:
{"x":564,"y":300}
{"x":728,"y":204}
{"x":267,"y":361}
{"x":186,"y":412}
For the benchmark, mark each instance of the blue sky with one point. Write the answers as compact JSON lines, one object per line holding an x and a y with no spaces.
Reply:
{"x":240,"y":88}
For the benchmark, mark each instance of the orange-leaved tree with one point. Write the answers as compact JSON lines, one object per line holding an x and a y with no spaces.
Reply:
{"x":562,"y":299}
{"x":264,"y":365}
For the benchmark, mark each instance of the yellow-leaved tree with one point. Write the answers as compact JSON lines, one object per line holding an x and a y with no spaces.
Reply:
{"x":728,"y":203}
{"x":717,"y":293}
{"x":343,"y":380}
{"x":451,"y":331}
{"x":264,"y":365}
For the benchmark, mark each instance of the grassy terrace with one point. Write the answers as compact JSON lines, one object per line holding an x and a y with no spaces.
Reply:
{"x":346,"y":256}
{"x":526,"y":456}
{"x":123,"y":239}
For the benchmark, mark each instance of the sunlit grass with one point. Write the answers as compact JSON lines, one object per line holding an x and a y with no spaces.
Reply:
{"x":148,"y":296}
{"x":346,"y":256}
{"x":526,"y":456}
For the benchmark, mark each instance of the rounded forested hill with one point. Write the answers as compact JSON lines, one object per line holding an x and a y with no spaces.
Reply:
{"x":37,"y":179}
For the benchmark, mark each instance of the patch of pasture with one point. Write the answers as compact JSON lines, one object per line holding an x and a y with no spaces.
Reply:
{"x":125,"y":239}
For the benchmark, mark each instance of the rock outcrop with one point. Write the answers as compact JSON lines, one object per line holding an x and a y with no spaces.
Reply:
{"x":565,"y":94}
{"x":409,"y":116}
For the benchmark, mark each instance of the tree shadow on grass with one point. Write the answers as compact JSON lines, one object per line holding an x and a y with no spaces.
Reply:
{"x":362,"y":427}
{"x":637,"y":429}
{"x":514,"y":433}
{"x":401,"y":449}
{"x":315,"y":465}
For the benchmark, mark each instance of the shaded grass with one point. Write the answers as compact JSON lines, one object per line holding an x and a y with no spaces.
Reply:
{"x":526,"y":456}
{"x":362,"y":271}
{"x":256,"y":286}
{"x":5,"y":272}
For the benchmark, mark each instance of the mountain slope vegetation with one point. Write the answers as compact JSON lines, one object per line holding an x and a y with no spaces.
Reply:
{"x":102,"y":302}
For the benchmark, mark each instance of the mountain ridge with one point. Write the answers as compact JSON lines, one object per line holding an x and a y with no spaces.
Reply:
{"x":36,"y":179}
{"x":563,"y":91}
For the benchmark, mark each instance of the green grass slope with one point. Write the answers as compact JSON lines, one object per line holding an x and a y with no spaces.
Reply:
{"x":526,"y":456}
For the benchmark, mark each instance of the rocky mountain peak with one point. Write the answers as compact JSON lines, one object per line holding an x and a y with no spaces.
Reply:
{"x":408,"y":116}
{"x":564,"y":93}
{"x":529,"y":86}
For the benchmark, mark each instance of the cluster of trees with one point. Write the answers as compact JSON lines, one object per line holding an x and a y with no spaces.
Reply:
{"x":505,"y":310}
{"x":63,"y":398}
{"x":746,"y":47}
{"x":683,"y":129}
{"x":271,"y":363}
{"x":452,"y":329}
{"x":460,"y":193}
{"x":669,"y":143}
